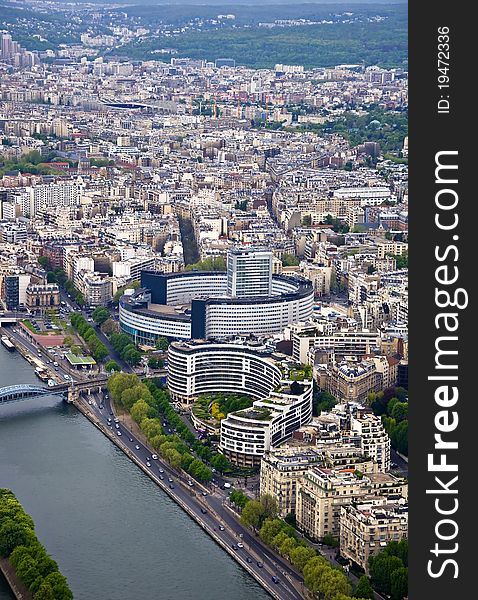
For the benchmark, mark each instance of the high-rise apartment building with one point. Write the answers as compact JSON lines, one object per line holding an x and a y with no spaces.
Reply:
{"x":249,"y":272}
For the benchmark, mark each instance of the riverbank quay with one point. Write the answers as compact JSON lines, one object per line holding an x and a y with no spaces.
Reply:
{"x":205,"y":506}
{"x":19,"y":590}
{"x":194,"y":508}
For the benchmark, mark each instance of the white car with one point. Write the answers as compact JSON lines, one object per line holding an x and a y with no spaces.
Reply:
{"x":148,"y":464}
{"x":240,"y":545}
{"x":154,"y":456}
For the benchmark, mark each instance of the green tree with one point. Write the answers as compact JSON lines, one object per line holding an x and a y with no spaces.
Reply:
{"x":80,"y":299}
{"x":300,"y":556}
{"x":59,"y":585}
{"x":140,"y":410}
{"x":100,"y":315}
{"x":186,"y":460}
{"x":401,"y":260}
{"x":329,"y":540}
{"x":279,"y":539}
{"x":172,"y":456}
{"x":364,"y":589}
{"x":209,"y":264}
{"x":335,"y":583}
{"x":119,"y":341}
{"x":402,"y":551}
{"x":162,"y":343}
{"x":100,"y":352}
{"x":11,"y":535}
{"x":253,"y":514}
{"x":27,"y":570}
{"x":314,"y":571}
{"x":287,"y":547}
{"x":44,"y":262}
{"x":45,"y":592}
{"x":399,"y":411}
{"x":68,"y":341}
{"x":269,"y":505}
{"x":307,"y":220}
{"x":133,"y":394}
{"x":381,"y":568}
{"x":399,"y":583}
{"x":151,"y":427}
{"x":155,"y":363}
{"x":112,"y":365}
{"x":131,"y":355}
{"x":18,"y":554}
{"x":289,"y":260}
{"x":110,"y":326}
{"x":238,"y":498}
{"x":46,"y":564}
{"x":119,"y":382}
{"x":270,"y":529}
{"x":322,"y":401}
{"x":220,"y":463}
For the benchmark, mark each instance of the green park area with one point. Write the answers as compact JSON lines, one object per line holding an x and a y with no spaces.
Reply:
{"x":212,"y":408}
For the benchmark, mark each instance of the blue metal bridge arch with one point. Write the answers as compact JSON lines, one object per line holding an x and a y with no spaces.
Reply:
{"x":16,"y":393}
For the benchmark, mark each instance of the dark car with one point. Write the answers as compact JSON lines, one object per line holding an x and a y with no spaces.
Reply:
{"x":171,"y":486}
{"x":249,"y":559}
{"x":161,"y":477}
{"x":204,"y":511}
{"x":275,"y":579}
{"x":234,"y":547}
{"x":259,"y":564}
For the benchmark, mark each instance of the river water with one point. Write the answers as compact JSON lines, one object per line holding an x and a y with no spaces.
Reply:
{"x":114,"y":534}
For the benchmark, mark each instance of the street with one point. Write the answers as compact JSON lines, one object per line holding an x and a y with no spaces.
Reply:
{"x":207,"y":505}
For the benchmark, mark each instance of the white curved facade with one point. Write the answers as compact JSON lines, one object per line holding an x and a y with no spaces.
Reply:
{"x":259,"y":318}
{"x":247,"y":434}
{"x":145,"y":327}
{"x":195,"y":369}
{"x":181,"y":290}
{"x":158,"y":309}
{"x":282,"y":406}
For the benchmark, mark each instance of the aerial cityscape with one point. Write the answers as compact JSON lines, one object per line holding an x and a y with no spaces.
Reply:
{"x":203,"y":300}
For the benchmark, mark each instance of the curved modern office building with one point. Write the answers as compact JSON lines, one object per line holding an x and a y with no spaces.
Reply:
{"x":247,"y":434}
{"x":196,"y":305}
{"x":281,"y":405}
{"x":196,"y":368}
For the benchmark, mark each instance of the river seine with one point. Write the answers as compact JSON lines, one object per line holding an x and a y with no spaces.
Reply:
{"x":114,"y":534}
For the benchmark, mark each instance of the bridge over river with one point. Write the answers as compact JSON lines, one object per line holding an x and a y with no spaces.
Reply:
{"x":69,"y":391}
